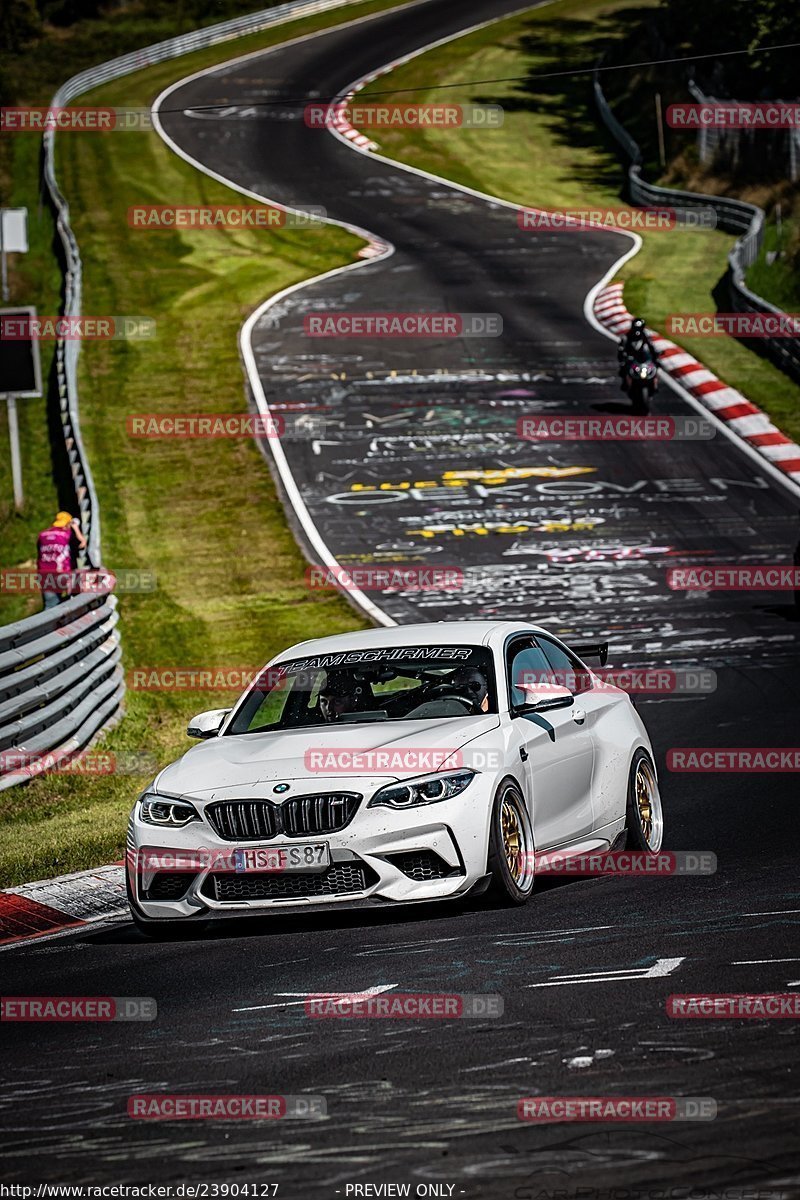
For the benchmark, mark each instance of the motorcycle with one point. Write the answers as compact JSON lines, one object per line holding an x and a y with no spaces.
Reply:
{"x":639,"y":379}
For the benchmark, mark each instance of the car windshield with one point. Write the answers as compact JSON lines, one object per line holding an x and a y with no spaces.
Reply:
{"x":395,"y":683}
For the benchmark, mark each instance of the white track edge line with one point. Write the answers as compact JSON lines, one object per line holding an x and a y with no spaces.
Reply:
{"x":588,"y":308}
{"x":245,"y":334}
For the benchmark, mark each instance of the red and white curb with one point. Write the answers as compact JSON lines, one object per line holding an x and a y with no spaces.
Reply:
{"x":741,"y":416}
{"x":50,"y":905}
{"x":339,"y":108}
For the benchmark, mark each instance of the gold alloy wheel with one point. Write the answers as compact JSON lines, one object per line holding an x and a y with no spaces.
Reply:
{"x":648,"y":804}
{"x":512,"y":840}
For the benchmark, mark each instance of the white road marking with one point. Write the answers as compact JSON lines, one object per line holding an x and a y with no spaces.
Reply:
{"x":778,"y":912}
{"x":371,"y":991}
{"x":662,"y":967}
{"x":543,"y":934}
{"x":741,"y":962}
{"x":491,"y":1066}
{"x":409,"y":948}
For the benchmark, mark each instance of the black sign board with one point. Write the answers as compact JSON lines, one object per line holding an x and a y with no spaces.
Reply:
{"x":20,"y":369}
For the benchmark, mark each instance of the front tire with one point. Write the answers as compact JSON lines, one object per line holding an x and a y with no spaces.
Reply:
{"x":641,"y":398}
{"x":644,"y":814}
{"x":511,"y":850}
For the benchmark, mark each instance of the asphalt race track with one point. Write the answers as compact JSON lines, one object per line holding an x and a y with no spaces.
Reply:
{"x":585,"y":968}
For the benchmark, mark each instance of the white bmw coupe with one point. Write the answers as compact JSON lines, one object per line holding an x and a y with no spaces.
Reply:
{"x":417,"y":763}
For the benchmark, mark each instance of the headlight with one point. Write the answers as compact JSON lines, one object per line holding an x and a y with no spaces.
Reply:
{"x":157,"y":810}
{"x":427,"y":791}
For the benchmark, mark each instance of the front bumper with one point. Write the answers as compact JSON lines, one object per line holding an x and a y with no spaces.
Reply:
{"x":383,"y":856}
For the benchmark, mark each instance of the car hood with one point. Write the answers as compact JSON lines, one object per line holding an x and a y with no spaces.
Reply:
{"x":251,"y":764}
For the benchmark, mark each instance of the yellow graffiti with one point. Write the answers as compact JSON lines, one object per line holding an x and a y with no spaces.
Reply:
{"x":568,"y":526}
{"x":431,"y":531}
{"x":503,"y":474}
{"x":492,"y":476}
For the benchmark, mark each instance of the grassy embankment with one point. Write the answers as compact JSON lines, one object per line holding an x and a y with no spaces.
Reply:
{"x":204,"y":515}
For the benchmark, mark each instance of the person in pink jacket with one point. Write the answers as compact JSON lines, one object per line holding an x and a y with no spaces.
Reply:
{"x":55,"y":557}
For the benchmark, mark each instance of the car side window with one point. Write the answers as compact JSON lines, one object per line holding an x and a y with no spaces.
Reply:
{"x":568,"y":671}
{"x":528,"y":669}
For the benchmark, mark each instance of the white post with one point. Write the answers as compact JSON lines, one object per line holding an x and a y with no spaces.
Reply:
{"x":16,"y":462}
{"x":3,"y":253}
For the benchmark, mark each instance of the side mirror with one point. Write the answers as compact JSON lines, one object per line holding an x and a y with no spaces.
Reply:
{"x":207,"y":724}
{"x":544,"y":698}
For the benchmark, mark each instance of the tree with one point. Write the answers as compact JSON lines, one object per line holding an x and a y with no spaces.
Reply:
{"x":19,"y":22}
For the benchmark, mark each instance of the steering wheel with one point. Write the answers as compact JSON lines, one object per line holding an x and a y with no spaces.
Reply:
{"x":442,"y":692}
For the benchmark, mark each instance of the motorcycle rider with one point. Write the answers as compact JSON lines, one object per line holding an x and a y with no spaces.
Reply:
{"x":635,"y":345}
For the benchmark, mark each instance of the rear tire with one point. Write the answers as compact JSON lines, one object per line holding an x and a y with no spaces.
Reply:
{"x":645,"y":817}
{"x":511,"y":850}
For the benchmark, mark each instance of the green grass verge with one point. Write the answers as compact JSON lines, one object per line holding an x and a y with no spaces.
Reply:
{"x":203,"y":515}
{"x":778,"y":280}
{"x":552,"y":152}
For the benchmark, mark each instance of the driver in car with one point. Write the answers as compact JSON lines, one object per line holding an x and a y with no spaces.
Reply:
{"x":469,"y":681}
{"x":342,"y":694}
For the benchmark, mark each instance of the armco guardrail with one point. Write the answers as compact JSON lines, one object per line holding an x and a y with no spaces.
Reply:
{"x":733,"y":216}
{"x":67,"y":351}
{"x":60,"y":682}
{"x":60,"y":676}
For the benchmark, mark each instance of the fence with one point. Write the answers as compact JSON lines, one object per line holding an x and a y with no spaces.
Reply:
{"x":67,"y":351}
{"x":60,"y":674}
{"x":733,"y":216}
{"x":60,"y":681}
{"x":712,"y":141}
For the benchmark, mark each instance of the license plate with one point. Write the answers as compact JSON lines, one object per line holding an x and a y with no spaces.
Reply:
{"x":311,"y":856}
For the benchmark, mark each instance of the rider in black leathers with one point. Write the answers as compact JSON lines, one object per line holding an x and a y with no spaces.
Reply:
{"x":636,"y":344}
